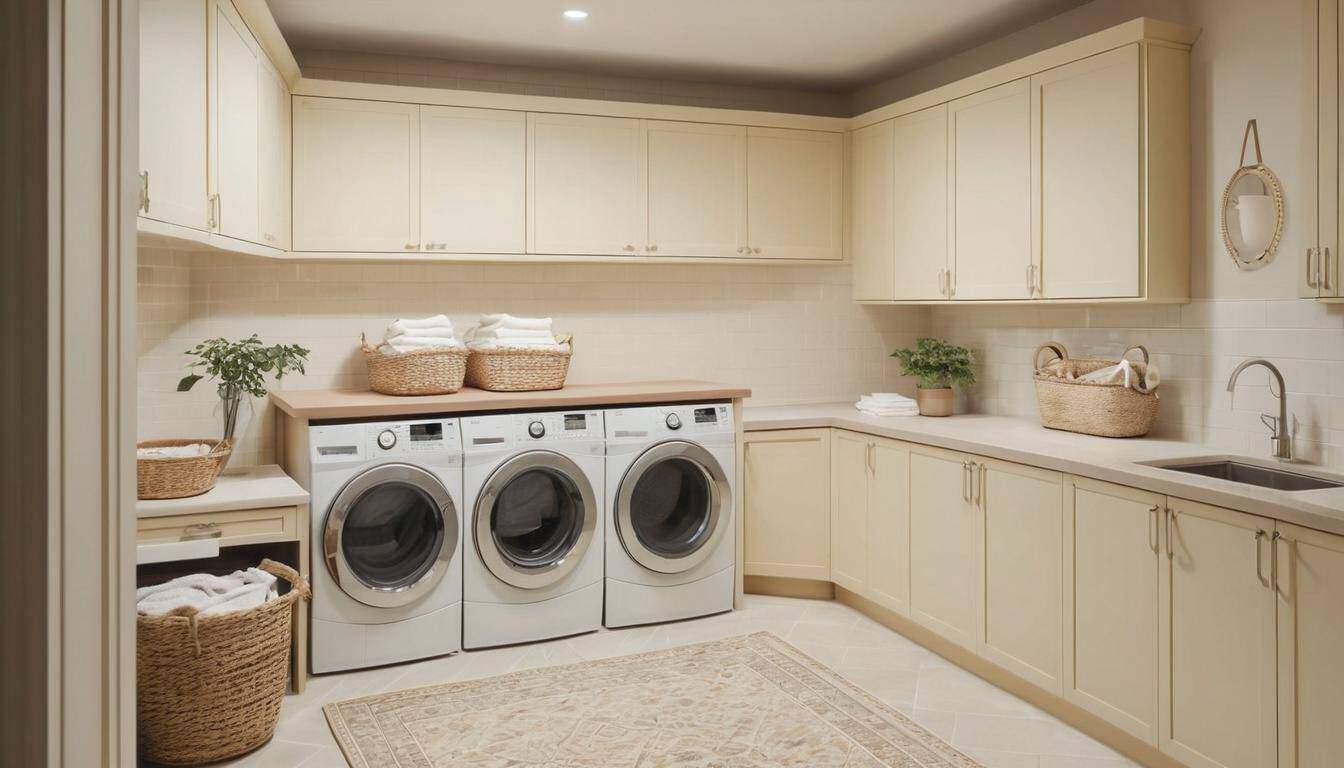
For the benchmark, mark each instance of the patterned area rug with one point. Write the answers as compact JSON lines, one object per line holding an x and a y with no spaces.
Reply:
{"x":742,"y":702}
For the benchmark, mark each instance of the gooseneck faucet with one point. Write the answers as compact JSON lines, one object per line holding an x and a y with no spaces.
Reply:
{"x":1283,"y":436}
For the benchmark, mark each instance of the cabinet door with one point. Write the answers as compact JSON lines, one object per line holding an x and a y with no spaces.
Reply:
{"x":786,"y":503}
{"x":873,"y":212}
{"x":1311,"y":628}
{"x":795,"y":193}
{"x":356,"y":175}
{"x":946,"y":585}
{"x":473,"y":180}
{"x":173,"y":133}
{"x":697,"y":182}
{"x":273,"y":157}
{"x":888,"y":530}
{"x":921,"y":204}
{"x":989,"y":197}
{"x":237,"y":205}
{"x":1022,"y":508}
{"x":1086,"y":164}
{"x":1112,"y":541}
{"x":851,"y":469}
{"x":585,"y":185}
{"x":1320,"y":273}
{"x":1217,"y":655}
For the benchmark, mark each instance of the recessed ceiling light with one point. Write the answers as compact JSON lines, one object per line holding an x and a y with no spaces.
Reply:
{"x":576,"y":15}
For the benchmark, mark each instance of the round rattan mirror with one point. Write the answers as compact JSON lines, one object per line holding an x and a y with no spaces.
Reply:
{"x":1250,"y":214}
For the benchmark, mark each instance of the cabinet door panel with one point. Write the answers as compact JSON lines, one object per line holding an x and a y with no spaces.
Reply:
{"x":356,"y":175}
{"x":697,"y":177}
{"x":1086,"y":140}
{"x":236,"y":120}
{"x":851,"y":468}
{"x":173,"y":132}
{"x":586,"y":187}
{"x":273,"y":158}
{"x":921,"y":204}
{"x":787,"y":505}
{"x":1217,"y":662}
{"x":1110,"y":605}
{"x":873,"y":212}
{"x":888,"y":530}
{"x":795,"y":193}
{"x":473,"y":180}
{"x":1022,"y":510}
{"x":989,"y":197}
{"x":946,"y":590}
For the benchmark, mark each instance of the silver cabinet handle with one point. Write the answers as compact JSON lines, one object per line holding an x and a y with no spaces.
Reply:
{"x":144,"y":191}
{"x":871,"y":458}
{"x":742,"y":249}
{"x":756,"y":250}
{"x":1152,"y":530}
{"x":1325,"y":270}
{"x":201,"y":531}
{"x":966,"y":481}
{"x":1259,"y":558}
{"x":1171,"y":517}
{"x":628,"y":248}
{"x":1274,"y":561}
{"x":652,"y":248}
{"x":412,"y":246}
{"x":1311,"y":274}
{"x":981,"y":471}
{"x":942,"y":281}
{"x":1031,"y":282}
{"x":212,"y":203}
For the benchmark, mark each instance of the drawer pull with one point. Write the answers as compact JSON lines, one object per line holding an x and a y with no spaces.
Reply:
{"x":202,"y":531}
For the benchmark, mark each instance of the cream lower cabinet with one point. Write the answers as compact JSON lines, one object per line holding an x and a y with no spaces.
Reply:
{"x":786,"y":504}
{"x":870,"y":518}
{"x":1216,"y":664}
{"x":946,"y":577}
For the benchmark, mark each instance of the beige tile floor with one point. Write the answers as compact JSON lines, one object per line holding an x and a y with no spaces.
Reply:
{"x":984,"y":721}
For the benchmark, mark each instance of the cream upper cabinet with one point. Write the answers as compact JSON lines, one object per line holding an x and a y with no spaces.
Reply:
{"x":235,"y":127}
{"x":946,"y":578}
{"x":1085,"y":146}
{"x":872,"y":208}
{"x":356,"y":175}
{"x":1217,"y":629}
{"x":173,"y":136}
{"x":989,"y":193}
{"x":473,"y":180}
{"x":851,"y":467}
{"x":786,"y":504}
{"x":1320,"y":274}
{"x":1022,"y":511}
{"x":795,"y":193}
{"x":888,"y":526}
{"x":1310,"y":587}
{"x":273,"y":155}
{"x":923,"y":267}
{"x":697,"y":188}
{"x":1111,"y":556}
{"x":585,"y":185}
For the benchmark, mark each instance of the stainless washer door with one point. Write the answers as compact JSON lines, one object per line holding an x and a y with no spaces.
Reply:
{"x":534,"y":519}
{"x":390,"y":535}
{"x":670,"y":506}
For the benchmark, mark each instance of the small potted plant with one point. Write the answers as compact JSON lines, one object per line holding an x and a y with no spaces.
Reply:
{"x":240,"y":367}
{"x":938,"y":365}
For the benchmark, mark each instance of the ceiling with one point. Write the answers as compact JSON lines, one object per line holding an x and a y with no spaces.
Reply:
{"x":818,"y":44}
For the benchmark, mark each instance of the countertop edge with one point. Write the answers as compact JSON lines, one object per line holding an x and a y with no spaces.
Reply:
{"x":274,"y":488}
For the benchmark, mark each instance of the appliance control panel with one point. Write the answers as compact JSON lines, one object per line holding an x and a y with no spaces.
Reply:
{"x":667,"y":421}
{"x":358,"y":442}
{"x":561,"y":426}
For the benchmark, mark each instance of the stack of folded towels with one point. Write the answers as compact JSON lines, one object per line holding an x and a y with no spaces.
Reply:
{"x":411,"y":335}
{"x":208,"y":594}
{"x":887,"y":404}
{"x":504,"y":331}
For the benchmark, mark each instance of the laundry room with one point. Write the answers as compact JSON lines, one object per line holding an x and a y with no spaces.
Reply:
{"x":634,"y":383}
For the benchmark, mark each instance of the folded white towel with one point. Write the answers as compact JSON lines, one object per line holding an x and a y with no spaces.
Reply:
{"x":496,"y":332}
{"x":404,"y":344}
{"x":173,"y":451}
{"x":406,"y":324}
{"x":509,"y":321}
{"x":208,"y":594}
{"x":887,"y":404}
{"x":517,"y":344}
{"x":887,"y":411}
{"x":887,"y":397}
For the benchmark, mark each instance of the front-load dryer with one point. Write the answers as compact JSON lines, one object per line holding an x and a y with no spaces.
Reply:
{"x":533,"y":563}
{"x":670,"y":527}
{"x":387,"y":531}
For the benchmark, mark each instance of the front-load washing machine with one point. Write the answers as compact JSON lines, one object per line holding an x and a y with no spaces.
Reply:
{"x":386,"y":527}
{"x":670,"y":527}
{"x":534,"y":490}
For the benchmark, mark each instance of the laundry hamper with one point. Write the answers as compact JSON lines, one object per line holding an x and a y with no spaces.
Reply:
{"x":164,"y":477}
{"x":520,"y":369}
{"x":438,"y":371}
{"x":1087,"y":407}
{"x":209,"y":687}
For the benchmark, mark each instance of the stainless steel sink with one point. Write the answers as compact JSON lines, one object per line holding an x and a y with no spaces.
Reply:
{"x":1249,"y":474}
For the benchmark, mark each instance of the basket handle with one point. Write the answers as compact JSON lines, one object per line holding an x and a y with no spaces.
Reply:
{"x":364,"y":343}
{"x":1142,"y":350}
{"x":220,"y":448}
{"x":297,"y":582}
{"x":1053,"y":346}
{"x":565,"y":338}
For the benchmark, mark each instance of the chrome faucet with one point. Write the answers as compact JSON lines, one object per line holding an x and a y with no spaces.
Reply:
{"x":1283,"y":436}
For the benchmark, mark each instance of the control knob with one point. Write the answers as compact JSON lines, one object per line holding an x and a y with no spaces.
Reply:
{"x":386,"y":439}
{"x":673,"y":421}
{"x":536,"y":429}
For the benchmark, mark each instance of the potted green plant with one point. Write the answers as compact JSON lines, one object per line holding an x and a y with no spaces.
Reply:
{"x":240,"y":367}
{"x":938,"y":365}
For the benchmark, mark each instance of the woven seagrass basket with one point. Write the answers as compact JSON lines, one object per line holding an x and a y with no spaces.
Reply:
{"x":176,"y":478}
{"x":209,"y":687}
{"x":1091,"y":408}
{"x":422,"y":372}
{"x":520,"y":369}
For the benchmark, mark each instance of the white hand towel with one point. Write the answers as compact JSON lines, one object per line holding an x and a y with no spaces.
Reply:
{"x":403,"y":344}
{"x":517,"y":344}
{"x":208,"y":594}
{"x":1139,"y":377}
{"x":509,"y":321}
{"x":406,"y":324}
{"x":496,"y":332}
{"x":173,"y":451}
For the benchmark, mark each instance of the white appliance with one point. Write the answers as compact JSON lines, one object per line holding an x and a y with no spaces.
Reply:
{"x":386,"y":526}
{"x":534,"y":490}
{"x":670,"y":532}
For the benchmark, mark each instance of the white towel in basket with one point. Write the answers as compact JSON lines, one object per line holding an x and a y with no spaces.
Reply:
{"x":208,"y":594}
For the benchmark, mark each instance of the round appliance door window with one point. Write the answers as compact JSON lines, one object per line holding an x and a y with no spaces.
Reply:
{"x":390,"y":534}
{"x":535,"y":519}
{"x":669,"y":507}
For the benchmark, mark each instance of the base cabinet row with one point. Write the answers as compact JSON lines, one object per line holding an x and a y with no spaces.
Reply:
{"x":1215,"y":636}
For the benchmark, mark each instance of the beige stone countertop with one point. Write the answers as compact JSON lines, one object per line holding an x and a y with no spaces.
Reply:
{"x":355,"y":404}
{"x":241,"y":488}
{"x":1112,"y":460}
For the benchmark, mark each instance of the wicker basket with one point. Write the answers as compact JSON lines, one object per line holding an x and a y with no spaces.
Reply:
{"x":1091,"y":408}
{"x":209,"y":687}
{"x":176,"y":478}
{"x":520,"y":369}
{"x":422,"y":372}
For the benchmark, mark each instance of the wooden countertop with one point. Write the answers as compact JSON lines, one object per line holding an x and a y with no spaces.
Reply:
{"x":241,"y":488}
{"x":355,"y":404}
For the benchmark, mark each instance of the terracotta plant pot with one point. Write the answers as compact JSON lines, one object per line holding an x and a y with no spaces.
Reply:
{"x":934,"y":402}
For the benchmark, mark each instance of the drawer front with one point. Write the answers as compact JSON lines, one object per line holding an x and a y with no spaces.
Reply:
{"x":233,"y":528}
